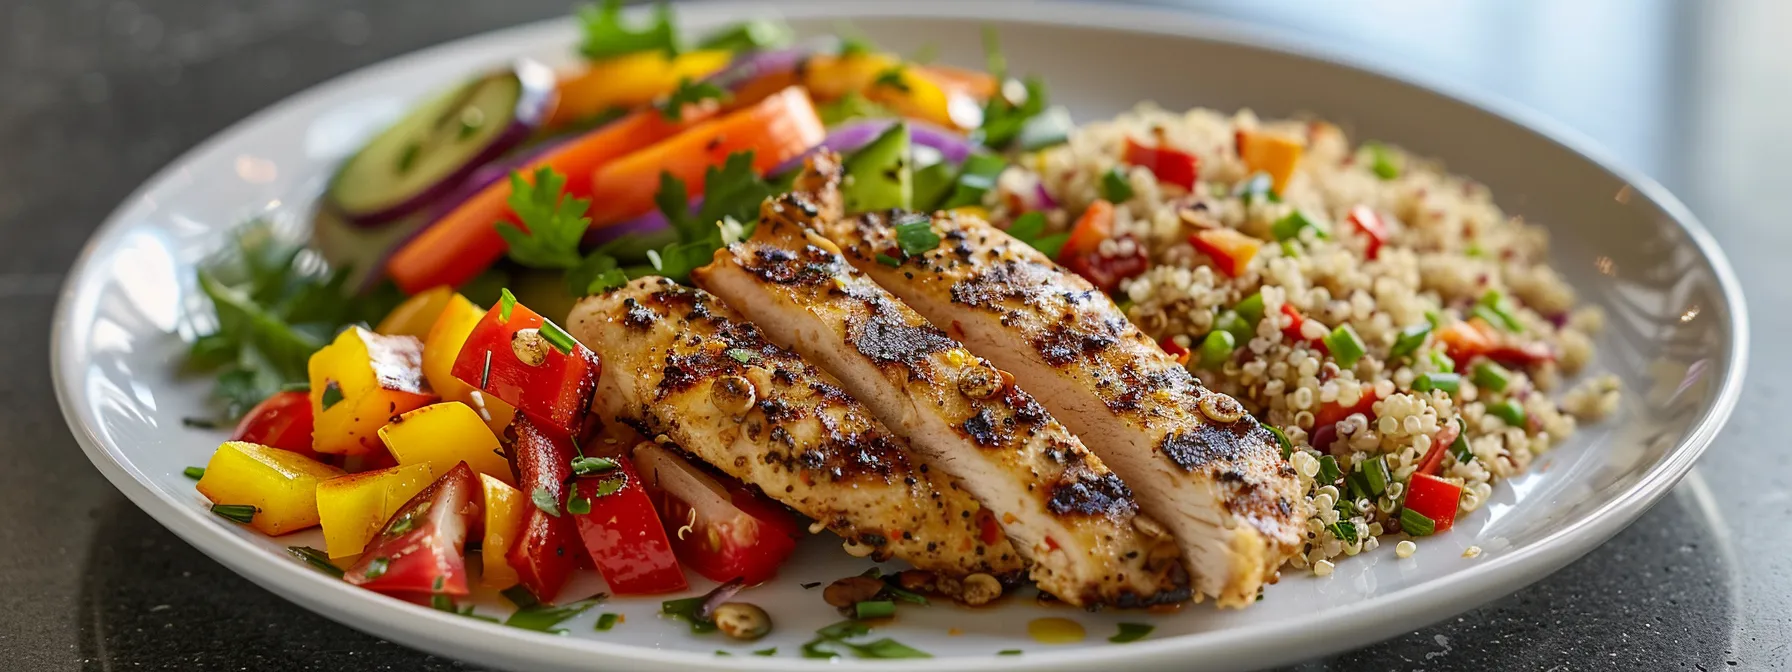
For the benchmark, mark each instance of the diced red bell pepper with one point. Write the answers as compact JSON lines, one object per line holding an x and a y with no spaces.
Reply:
{"x":281,"y":421}
{"x":547,"y":549}
{"x":722,"y":530}
{"x":1082,"y":255}
{"x":1435,"y":498}
{"x":1172,"y":349}
{"x":1434,"y":457}
{"x":1295,"y":322}
{"x":1370,"y":225}
{"x":1326,"y":419}
{"x":989,"y":530}
{"x":1230,"y":250}
{"x":624,"y":536}
{"x":553,"y":387}
{"x":1171,"y":166}
{"x":1095,"y":225}
{"x":1517,"y":355}
{"x":1464,"y":341}
{"x":418,"y":552}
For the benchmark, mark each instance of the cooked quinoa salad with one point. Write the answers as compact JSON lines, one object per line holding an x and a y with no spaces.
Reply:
{"x":1384,"y":317}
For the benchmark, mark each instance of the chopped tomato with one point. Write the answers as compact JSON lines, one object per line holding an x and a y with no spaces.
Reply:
{"x":418,"y":552}
{"x":1435,"y":498}
{"x":547,"y":547}
{"x":623,"y":535}
{"x":1230,"y":250}
{"x":1172,"y":349}
{"x":723,"y":531}
{"x":1269,"y":153}
{"x":1171,"y":166}
{"x":776,"y":129}
{"x":553,"y":386}
{"x":1095,"y":225}
{"x":281,"y":421}
{"x":1370,"y":225}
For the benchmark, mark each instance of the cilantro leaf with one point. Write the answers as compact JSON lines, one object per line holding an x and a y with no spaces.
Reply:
{"x":750,"y":35}
{"x":732,"y":193}
{"x":606,"y":36}
{"x":690,"y":93}
{"x":1003,"y":119}
{"x":555,"y":223}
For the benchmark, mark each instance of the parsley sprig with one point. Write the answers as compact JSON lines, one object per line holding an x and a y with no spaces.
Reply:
{"x":553,"y":224}
{"x":690,"y":93}
{"x":608,"y":36}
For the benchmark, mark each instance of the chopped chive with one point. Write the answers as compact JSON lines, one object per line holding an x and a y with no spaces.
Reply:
{"x":1250,"y":310}
{"x":1509,"y":411}
{"x":1346,"y":347}
{"x":1328,"y":469}
{"x":544,"y":500}
{"x":1009,"y":652}
{"x":557,"y":337}
{"x":1376,"y":473}
{"x":506,"y":304}
{"x":1493,"y":307}
{"x":605,"y":621}
{"x":685,"y":609}
{"x":1290,"y":226}
{"x":1132,"y":632}
{"x":1459,"y":448}
{"x":586,"y":466}
{"x":767,"y":652}
{"x":1410,"y":340}
{"x":520,"y":596}
{"x":332,"y":395}
{"x":377,"y":568}
{"x":1416,"y":524}
{"x":916,"y":237}
{"x":194,"y":473}
{"x":1358,"y":484}
{"x":1282,"y":440}
{"x":741,"y":355}
{"x":888,"y":648}
{"x":241,"y":513}
{"x":318,"y":560}
{"x":543,"y":618}
{"x":888,"y":260}
{"x":1381,"y":161}
{"x":1490,"y":376}
{"x":874,"y":609}
{"x":1432,"y":380}
{"x":485,"y":373}
{"x":1115,"y":187}
{"x":1216,"y":348}
{"x":577,"y":504}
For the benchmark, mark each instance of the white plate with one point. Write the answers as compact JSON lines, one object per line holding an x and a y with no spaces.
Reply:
{"x":1677,"y":338}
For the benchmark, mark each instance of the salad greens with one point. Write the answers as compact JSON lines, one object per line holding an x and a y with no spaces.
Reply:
{"x":607,"y":36}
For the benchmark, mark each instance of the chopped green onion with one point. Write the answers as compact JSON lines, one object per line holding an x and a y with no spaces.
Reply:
{"x":1358,"y":484}
{"x":377,"y":568}
{"x":888,"y":648}
{"x":1290,"y":250}
{"x":741,"y":355}
{"x":1410,"y":340}
{"x":506,"y":303}
{"x":1250,"y":309}
{"x":194,"y":473}
{"x":543,"y":618}
{"x":1442,"y":362}
{"x":520,"y":596}
{"x":544,"y":500}
{"x":1493,"y":307}
{"x":443,"y":603}
{"x":1459,"y":448}
{"x":1282,"y":440}
{"x":1328,"y":470}
{"x":1289,"y":227}
{"x":1216,"y":348}
{"x":1381,"y":161}
{"x":1416,"y":524}
{"x":1432,"y":380}
{"x":874,"y":609}
{"x":720,"y":652}
{"x":605,"y":621}
{"x":318,"y":560}
{"x":1132,"y":632}
{"x":685,"y":609}
{"x":241,"y":513}
{"x":1009,"y":652}
{"x":1115,"y":187}
{"x":888,"y":260}
{"x":916,"y":237}
{"x":557,"y":337}
{"x":586,"y":466}
{"x":1491,"y":377}
{"x":577,"y":504}
{"x":1346,"y":347}
{"x":1510,"y":411}
{"x":1376,"y":473}
{"x":1345,"y":531}
{"x":767,"y":652}
{"x":332,"y":395}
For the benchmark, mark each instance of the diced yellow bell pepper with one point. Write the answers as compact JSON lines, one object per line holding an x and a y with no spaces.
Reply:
{"x":831,"y":77}
{"x":280,"y":484}
{"x":358,"y":383}
{"x":416,"y":314}
{"x":1270,"y":153}
{"x":443,"y":435}
{"x":440,"y":348}
{"x":352,"y":508}
{"x":914,"y":94}
{"x":503,"y":524}
{"x":631,"y":81}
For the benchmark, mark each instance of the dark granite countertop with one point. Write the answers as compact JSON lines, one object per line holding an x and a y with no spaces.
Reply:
{"x":95,"y":95}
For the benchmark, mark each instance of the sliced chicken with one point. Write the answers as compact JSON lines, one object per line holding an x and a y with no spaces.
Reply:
{"x":1063,"y":509}
{"x":1197,"y":462}
{"x":680,"y":364}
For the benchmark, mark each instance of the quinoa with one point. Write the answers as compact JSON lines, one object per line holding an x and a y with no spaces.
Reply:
{"x":1451,"y":267}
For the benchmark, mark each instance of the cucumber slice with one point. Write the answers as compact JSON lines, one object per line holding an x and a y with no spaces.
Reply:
{"x":879,"y":174}
{"x":427,"y":153}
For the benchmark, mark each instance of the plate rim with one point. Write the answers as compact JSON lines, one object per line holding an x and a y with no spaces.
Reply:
{"x":432,"y":631}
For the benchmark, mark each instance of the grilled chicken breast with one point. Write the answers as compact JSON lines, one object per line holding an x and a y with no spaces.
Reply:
{"x":679,"y":363}
{"x":1063,"y":509}
{"x":1197,"y":462}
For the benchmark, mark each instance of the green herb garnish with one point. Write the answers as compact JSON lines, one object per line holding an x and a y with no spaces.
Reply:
{"x":1416,"y":524}
{"x":606,"y":36}
{"x":749,"y":35}
{"x":741,"y":355}
{"x":685,"y":609}
{"x":520,"y":596}
{"x":1282,"y":440}
{"x":767,"y":652}
{"x":542,"y":618}
{"x":241,"y":513}
{"x":1009,"y":652}
{"x":838,"y":634}
{"x":1345,"y":346}
{"x":577,"y":504}
{"x":318,"y":560}
{"x":544,"y":500}
{"x":888,"y":260}
{"x":1410,"y":340}
{"x":605,"y":621}
{"x":586,"y":466}
{"x":1459,"y":448}
{"x":1132,"y":632}
{"x":377,"y":567}
{"x":1328,"y":470}
{"x":1345,"y":531}
{"x":874,"y":609}
{"x":1290,"y":226}
{"x":557,"y":337}
{"x":609,"y":486}
{"x":1509,"y":411}
{"x":1491,"y":377}
{"x":1029,"y":228}
{"x":916,"y":237}
{"x":194,"y":473}
{"x":506,"y":304}
{"x":1493,"y":307}
{"x":1434,"y":380}
{"x":1376,"y":475}
{"x":690,"y":93}
{"x":555,"y":223}
{"x":1115,"y":187}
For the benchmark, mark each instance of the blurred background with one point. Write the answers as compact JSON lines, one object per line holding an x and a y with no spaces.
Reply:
{"x":96,"y":95}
